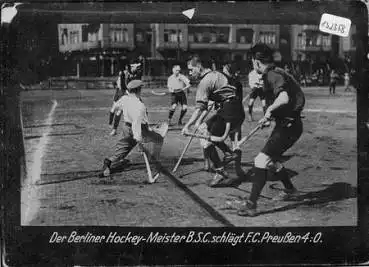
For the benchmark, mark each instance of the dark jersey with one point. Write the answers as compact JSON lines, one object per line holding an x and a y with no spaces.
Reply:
{"x":217,"y":87}
{"x":213,"y":86}
{"x":276,"y":80}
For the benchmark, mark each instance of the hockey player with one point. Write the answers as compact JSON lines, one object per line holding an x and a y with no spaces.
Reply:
{"x":214,"y":86}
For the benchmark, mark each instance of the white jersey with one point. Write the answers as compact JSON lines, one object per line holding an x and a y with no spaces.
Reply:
{"x":177,"y":83}
{"x":255,"y":80}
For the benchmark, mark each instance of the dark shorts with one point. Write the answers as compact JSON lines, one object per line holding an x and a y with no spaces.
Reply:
{"x":217,"y":125}
{"x":257,"y":92}
{"x":283,"y":136}
{"x":178,"y":98}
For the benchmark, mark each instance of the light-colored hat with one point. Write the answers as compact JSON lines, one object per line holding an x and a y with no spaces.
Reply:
{"x":134,"y":84}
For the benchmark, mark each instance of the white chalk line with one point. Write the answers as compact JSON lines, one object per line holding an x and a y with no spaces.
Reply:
{"x":30,"y":202}
{"x":164,"y":109}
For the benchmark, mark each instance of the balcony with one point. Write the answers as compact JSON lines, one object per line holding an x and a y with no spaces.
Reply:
{"x":221,"y":46}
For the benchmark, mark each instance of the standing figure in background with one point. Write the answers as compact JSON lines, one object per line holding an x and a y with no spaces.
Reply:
{"x":177,"y":85}
{"x":333,"y":82}
{"x":347,"y":82}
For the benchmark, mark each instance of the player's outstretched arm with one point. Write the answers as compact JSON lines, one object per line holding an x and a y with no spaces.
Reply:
{"x":225,"y":135}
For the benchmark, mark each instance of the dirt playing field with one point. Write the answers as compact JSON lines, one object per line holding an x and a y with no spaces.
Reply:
{"x":67,"y":137}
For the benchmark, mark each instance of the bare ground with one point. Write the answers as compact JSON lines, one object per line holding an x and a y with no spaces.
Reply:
{"x":322,"y":163}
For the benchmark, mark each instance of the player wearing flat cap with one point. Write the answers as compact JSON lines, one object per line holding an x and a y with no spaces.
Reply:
{"x":177,"y":86}
{"x":135,"y":129}
{"x":214,"y":86}
{"x":287,"y":102}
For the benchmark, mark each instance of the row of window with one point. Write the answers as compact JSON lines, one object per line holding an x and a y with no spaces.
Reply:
{"x":196,"y":35}
{"x":313,"y":39}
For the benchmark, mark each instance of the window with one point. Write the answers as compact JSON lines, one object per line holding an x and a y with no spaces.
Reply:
{"x":74,"y":36}
{"x":267,"y":38}
{"x":84,"y":33}
{"x":205,"y":34}
{"x":139,"y":37}
{"x":191,"y":38}
{"x":353,"y":40}
{"x":64,"y":37}
{"x":326,"y":41}
{"x":244,"y":36}
{"x":92,"y":37}
{"x":172,"y":36}
{"x":213,"y":37}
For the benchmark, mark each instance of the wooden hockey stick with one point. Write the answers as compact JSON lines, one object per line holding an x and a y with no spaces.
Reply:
{"x":189,"y":142}
{"x":243,"y":140}
{"x":158,"y":93}
{"x":197,"y":136}
{"x":151,"y":179}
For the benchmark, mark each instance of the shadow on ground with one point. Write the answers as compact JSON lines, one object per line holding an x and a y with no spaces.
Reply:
{"x":333,"y":192}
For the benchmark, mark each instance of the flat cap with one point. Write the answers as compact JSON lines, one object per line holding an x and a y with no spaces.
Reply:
{"x":134,"y":84}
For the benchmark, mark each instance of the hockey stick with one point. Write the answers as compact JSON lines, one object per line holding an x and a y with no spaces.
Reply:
{"x":158,"y":93}
{"x":243,"y":140}
{"x":186,"y":147}
{"x":189,"y":142}
{"x":148,"y":168}
{"x":197,"y":136}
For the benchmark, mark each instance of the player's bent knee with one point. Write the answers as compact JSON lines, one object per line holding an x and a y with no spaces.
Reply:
{"x":173,"y":107}
{"x":205,"y":144}
{"x":184,"y":107}
{"x":262,"y":161}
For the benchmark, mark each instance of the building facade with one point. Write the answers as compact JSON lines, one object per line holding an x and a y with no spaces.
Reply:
{"x":103,"y":49}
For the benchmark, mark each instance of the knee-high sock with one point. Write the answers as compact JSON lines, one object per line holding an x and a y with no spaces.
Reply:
{"x":183,"y":112}
{"x":264,"y":109}
{"x":259,"y":181}
{"x":214,"y":157}
{"x":111,"y":117}
{"x":171,"y":113}
{"x":116,"y":121}
{"x":250,"y":109}
{"x":237,"y":162}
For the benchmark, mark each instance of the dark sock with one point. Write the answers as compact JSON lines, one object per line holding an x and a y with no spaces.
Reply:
{"x":116,"y":121}
{"x":237,"y":162}
{"x":222,"y":146}
{"x":214,"y":157}
{"x":264,"y":109}
{"x":111,"y":117}
{"x":171,"y":113}
{"x":259,"y":181}
{"x":250,"y":110}
{"x":183,"y":112}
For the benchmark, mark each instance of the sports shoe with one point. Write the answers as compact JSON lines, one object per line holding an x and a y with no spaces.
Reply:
{"x":219,"y":177}
{"x":113,"y":132}
{"x":248,"y":209}
{"x":287,"y":195}
{"x":106,"y":169}
{"x":266,"y":124}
